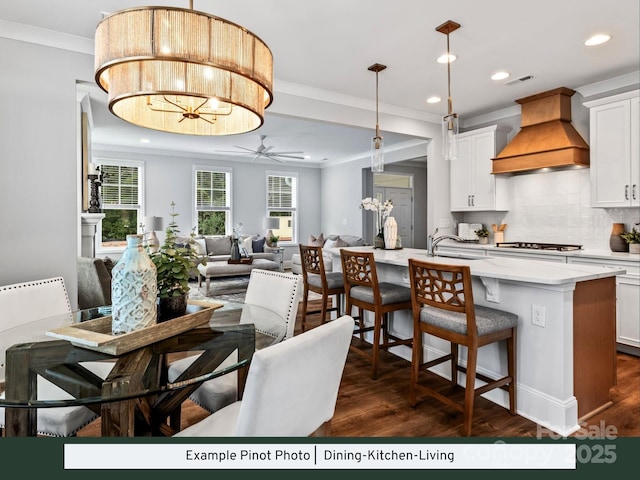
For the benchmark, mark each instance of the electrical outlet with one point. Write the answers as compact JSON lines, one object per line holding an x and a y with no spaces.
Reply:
{"x":537,"y":316}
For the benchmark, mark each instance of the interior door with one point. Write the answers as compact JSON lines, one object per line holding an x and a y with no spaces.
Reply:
{"x":402,"y":199}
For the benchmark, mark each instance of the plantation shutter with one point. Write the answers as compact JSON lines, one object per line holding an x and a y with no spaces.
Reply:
{"x":211,"y":190}
{"x":120,"y":186}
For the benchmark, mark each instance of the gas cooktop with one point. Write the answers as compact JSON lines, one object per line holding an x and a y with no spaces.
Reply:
{"x":540,"y":246}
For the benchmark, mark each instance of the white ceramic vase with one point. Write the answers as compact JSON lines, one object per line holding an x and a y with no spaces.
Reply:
{"x":134,"y":288}
{"x":390,"y":233}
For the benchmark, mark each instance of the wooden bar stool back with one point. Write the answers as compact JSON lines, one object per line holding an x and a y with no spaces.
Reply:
{"x":442,"y":300}
{"x":317,"y":279}
{"x":365,"y":292}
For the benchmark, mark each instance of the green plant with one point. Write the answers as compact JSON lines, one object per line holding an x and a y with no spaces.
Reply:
{"x":631,"y":237}
{"x":274,"y":238}
{"x":174,"y":261}
{"x":482,"y":233}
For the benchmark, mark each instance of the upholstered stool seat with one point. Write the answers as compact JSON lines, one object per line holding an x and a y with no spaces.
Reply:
{"x":488,"y":320}
{"x":389,"y":293}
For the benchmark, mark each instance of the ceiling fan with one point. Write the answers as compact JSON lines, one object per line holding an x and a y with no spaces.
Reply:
{"x":265,"y":152}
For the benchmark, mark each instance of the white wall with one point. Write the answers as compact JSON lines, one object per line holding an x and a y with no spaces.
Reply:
{"x":39,"y":176}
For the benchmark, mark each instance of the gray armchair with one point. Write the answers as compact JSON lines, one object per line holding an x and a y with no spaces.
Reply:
{"x":94,"y":283}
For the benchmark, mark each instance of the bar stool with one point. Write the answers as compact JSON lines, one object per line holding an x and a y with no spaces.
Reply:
{"x":317,"y":279}
{"x":442,"y":302}
{"x":362,"y":290}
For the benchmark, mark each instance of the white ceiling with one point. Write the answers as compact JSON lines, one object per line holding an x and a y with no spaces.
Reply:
{"x":327,"y":46}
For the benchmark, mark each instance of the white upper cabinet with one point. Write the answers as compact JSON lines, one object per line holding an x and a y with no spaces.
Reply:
{"x":473,"y":187}
{"x":615,"y":157}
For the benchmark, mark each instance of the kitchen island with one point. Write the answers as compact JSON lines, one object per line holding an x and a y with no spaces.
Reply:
{"x":566,"y":357}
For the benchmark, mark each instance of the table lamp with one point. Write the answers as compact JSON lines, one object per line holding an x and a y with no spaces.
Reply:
{"x":151,"y":225}
{"x":270,"y":223}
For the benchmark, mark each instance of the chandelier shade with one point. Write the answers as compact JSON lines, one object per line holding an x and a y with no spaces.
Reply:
{"x":449,"y":121}
{"x":183,"y":71}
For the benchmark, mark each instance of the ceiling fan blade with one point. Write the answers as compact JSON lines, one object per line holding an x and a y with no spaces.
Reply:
{"x":285,"y":153}
{"x":235,"y":151}
{"x":273,"y":155}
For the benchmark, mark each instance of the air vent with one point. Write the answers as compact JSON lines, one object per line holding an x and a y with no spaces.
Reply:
{"x":524,"y":78}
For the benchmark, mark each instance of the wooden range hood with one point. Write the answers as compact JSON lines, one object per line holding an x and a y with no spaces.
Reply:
{"x":547,"y":139}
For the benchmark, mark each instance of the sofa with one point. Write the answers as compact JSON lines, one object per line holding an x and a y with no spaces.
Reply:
{"x":217,"y":248}
{"x":330,"y":241}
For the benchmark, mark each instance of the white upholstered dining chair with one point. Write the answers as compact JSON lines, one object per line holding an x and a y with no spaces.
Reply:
{"x":26,"y":302}
{"x":291,"y":390}
{"x":277,"y":296}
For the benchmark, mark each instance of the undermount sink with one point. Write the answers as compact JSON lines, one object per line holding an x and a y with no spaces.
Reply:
{"x":461,"y":256}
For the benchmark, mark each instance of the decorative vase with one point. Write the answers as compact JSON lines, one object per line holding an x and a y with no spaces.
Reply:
{"x":134,"y":288}
{"x":378,"y":241}
{"x":172,"y":307}
{"x":390,"y":233}
{"x":235,"y":250}
{"x":634,"y":248}
{"x":483,"y":240}
{"x":616,"y":242}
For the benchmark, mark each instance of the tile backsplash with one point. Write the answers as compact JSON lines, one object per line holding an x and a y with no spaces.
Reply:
{"x":555,"y":207}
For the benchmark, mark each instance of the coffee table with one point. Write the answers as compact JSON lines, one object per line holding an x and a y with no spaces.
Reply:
{"x":223,"y":269}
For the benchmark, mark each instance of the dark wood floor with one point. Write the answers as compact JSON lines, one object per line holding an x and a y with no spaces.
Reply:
{"x":378,"y":408}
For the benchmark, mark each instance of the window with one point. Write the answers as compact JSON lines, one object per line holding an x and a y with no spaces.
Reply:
{"x":121,"y":193}
{"x":282,"y":202}
{"x":213,"y":201}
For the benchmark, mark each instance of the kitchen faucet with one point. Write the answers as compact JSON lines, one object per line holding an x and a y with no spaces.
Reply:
{"x":433,"y":242}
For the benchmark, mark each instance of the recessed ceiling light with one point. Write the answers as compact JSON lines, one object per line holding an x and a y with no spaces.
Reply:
{"x":434,"y":99}
{"x":145,"y":140}
{"x":447,"y":58}
{"x":500,"y":75}
{"x":597,"y":40}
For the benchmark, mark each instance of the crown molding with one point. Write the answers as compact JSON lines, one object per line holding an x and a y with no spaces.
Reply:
{"x":48,"y":38}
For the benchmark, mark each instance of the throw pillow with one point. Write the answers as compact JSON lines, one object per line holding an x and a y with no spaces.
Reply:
{"x":316,"y":242}
{"x":338,"y":242}
{"x":258,"y":245}
{"x":247,"y":243}
{"x":218,"y":245}
{"x":199,"y":246}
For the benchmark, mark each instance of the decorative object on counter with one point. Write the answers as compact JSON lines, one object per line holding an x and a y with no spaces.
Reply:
{"x":273,"y":240}
{"x":633,"y":239}
{"x":498,"y":232}
{"x":483,"y":235}
{"x":133,"y":289}
{"x":616,"y":242}
{"x":173,"y":263}
{"x":449,"y":121}
{"x":382,"y":209}
{"x":151,"y":225}
{"x":390,"y":233}
{"x":377,"y":143}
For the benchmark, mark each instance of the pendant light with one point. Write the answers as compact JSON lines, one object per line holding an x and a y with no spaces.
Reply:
{"x":183,"y":71}
{"x":449,"y":121}
{"x":377,"y":143}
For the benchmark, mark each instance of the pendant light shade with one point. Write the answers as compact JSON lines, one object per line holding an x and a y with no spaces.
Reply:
{"x":449,"y":121}
{"x":183,"y":71}
{"x":377,"y":142}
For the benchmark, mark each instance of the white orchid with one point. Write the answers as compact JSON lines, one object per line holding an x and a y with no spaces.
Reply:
{"x":382,"y":209}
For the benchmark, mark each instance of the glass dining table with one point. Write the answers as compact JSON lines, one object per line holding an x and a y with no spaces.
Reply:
{"x":130,"y":391}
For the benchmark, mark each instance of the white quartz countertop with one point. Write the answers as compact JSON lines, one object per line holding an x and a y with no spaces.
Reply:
{"x":503,"y":268}
{"x":584,"y":253}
